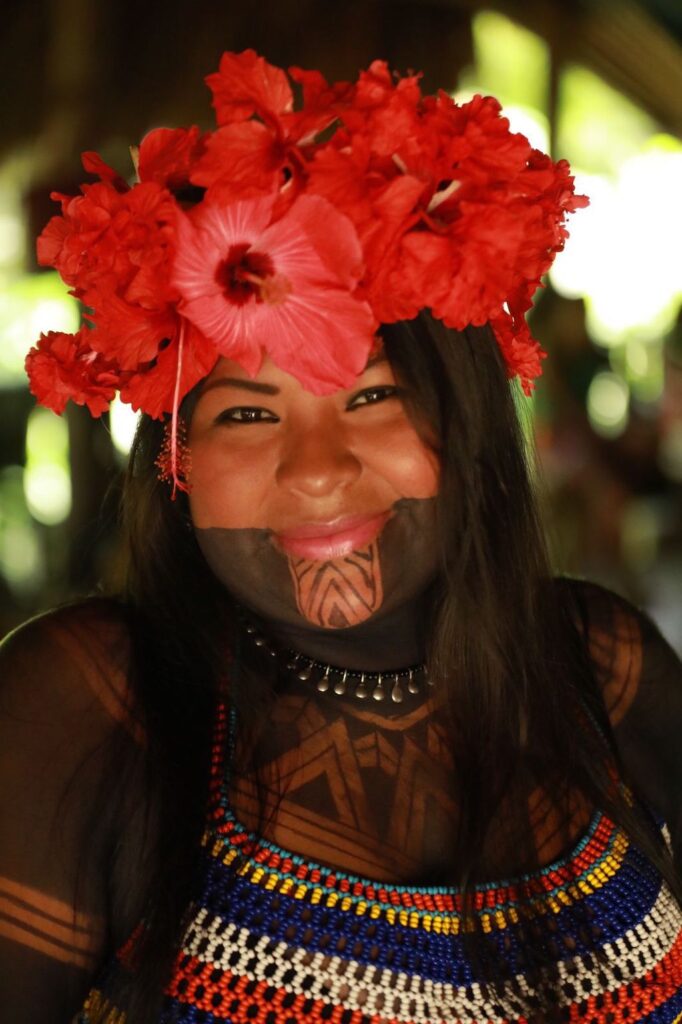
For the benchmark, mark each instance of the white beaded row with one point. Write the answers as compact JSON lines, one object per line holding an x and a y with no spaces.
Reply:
{"x":406,"y":997}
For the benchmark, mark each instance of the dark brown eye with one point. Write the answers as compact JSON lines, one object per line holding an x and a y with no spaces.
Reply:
{"x":246,"y":414}
{"x":370,"y":396}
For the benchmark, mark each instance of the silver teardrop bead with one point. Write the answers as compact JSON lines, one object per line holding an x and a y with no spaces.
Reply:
{"x":412,"y":684}
{"x":361,"y":690}
{"x":323,"y":683}
{"x":340,"y":685}
{"x":259,"y":641}
{"x":304,"y":674}
{"x":397,"y":692}
{"x":378,"y":691}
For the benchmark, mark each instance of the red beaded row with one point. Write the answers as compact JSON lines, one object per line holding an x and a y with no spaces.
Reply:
{"x":484,"y":899}
{"x":246,"y":1001}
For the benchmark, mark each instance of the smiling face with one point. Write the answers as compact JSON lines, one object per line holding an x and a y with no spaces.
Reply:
{"x":312,"y":510}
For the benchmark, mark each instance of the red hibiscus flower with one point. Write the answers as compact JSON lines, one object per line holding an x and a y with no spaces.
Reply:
{"x":167,"y":156}
{"x":127,"y":332}
{"x":303,"y":238}
{"x":247,"y":157}
{"x":63,"y":367}
{"x":523,"y":355}
{"x":107,"y":238}
{"x":93,"y":164}
{"x":286,"y":288}
{"x":152,"y":387}
{"x":245,"y":84}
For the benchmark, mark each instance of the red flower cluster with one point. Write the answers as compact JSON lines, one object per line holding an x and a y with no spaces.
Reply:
{"x":310,"y":228}
{"x":63,"y":366}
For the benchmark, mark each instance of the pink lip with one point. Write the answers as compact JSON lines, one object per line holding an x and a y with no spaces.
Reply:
{"x":335,"y":539}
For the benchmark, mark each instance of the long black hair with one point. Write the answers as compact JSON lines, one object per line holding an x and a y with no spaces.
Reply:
{"x":505,"y":645}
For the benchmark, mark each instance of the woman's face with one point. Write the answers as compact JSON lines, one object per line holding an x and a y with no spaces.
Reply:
{"x":312,"y":510}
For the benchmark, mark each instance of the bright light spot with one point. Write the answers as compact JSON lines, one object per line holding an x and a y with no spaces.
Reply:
{"x":123,"y":422}
{"x":623,"y":254}
{"x":574,"y":269}
{"x":32,"y":304}
{"x":607,"y":404}
{"x":598,"y":127}
{"x":512,"y":62}
{"x":644,"y":369}
{"x":636,"y":360}
{"x":21,"y":561}
{"x":48,"y":493}
{"x":52,"y":315}
{"x":531,"y":123}
{"x":47,"y":478}
{"x":12,"y":240}
{"x":47,"y":438}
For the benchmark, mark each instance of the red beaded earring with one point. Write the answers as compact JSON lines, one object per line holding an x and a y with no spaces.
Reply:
{"x":174,"y":460}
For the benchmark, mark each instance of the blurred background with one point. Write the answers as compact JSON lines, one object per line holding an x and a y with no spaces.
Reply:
{"x":596,"y":81}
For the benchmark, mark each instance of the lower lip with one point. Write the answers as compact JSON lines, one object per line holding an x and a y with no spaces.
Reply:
{"x":334,"y":545}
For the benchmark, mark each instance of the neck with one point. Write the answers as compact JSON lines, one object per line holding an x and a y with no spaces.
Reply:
{"x":391,"y":641}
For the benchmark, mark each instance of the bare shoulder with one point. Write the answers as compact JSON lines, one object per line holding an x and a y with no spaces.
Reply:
{"x":71,"y":657}
{"x":626,"y":650}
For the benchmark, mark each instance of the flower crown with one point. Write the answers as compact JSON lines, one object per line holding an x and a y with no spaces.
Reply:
{"x":296,"y":233}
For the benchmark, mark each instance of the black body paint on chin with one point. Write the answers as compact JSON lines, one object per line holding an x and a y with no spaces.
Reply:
{"x":339,"y":594}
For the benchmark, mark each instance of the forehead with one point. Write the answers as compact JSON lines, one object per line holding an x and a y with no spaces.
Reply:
{"x":269,"y":372}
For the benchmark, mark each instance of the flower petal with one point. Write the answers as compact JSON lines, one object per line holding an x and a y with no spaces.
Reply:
{"x":126,"y":333}
{"x":317,"y":328}
{"x":152,"y":388}
{"x":323,"y":338}
{"x":313,"y":232}
{"x":93,"y":164}
{"x":63,"y":367}
{"x":246,"y":84}
{"x":203,"y":240}
{"x":242,"y":159}
{"x":167,"y":155}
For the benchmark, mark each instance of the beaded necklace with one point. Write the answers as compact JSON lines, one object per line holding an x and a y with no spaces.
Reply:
{"x":389,"y":684}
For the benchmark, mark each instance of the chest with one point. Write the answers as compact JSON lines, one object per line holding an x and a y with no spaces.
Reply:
{"x":379,"y":797}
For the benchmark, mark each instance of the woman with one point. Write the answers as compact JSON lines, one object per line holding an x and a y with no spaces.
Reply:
{"x":342,"y":749}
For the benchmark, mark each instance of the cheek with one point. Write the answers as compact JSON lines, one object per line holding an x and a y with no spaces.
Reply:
{"x":228,"y":489}
{"x":411,"y":467}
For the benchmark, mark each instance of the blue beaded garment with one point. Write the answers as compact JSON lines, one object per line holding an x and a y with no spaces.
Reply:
{"x":277,"y":939}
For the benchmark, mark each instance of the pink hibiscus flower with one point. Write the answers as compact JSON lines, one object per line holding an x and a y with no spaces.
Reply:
{"x":285,"y":288}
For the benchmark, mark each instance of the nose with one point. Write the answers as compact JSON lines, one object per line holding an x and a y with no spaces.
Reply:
{"x":317,"y":461}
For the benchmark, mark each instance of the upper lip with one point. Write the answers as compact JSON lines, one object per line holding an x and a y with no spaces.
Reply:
{"x":327,"y":528}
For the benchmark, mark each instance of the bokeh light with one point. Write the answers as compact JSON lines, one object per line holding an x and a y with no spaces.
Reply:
{"x":123,"y":423}
{"x":22,"y":561}
{"x":608,"y":401}
{"x":30,"y":305}
{"x":47,"y":479}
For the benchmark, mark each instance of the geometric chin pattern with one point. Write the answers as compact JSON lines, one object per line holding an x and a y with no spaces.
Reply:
{"x":277,"y":939}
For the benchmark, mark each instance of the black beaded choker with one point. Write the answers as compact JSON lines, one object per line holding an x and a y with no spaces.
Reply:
{"x":391,"y":685}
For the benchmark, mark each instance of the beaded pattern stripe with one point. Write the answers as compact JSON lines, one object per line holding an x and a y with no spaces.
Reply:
{"x":277,"y":939}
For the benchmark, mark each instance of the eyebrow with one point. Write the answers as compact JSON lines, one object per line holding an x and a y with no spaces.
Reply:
{"x":238,"y":382}
{"x":270,"y":389}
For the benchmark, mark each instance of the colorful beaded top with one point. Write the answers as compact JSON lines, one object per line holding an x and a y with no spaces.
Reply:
{"x":277,"y":939}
